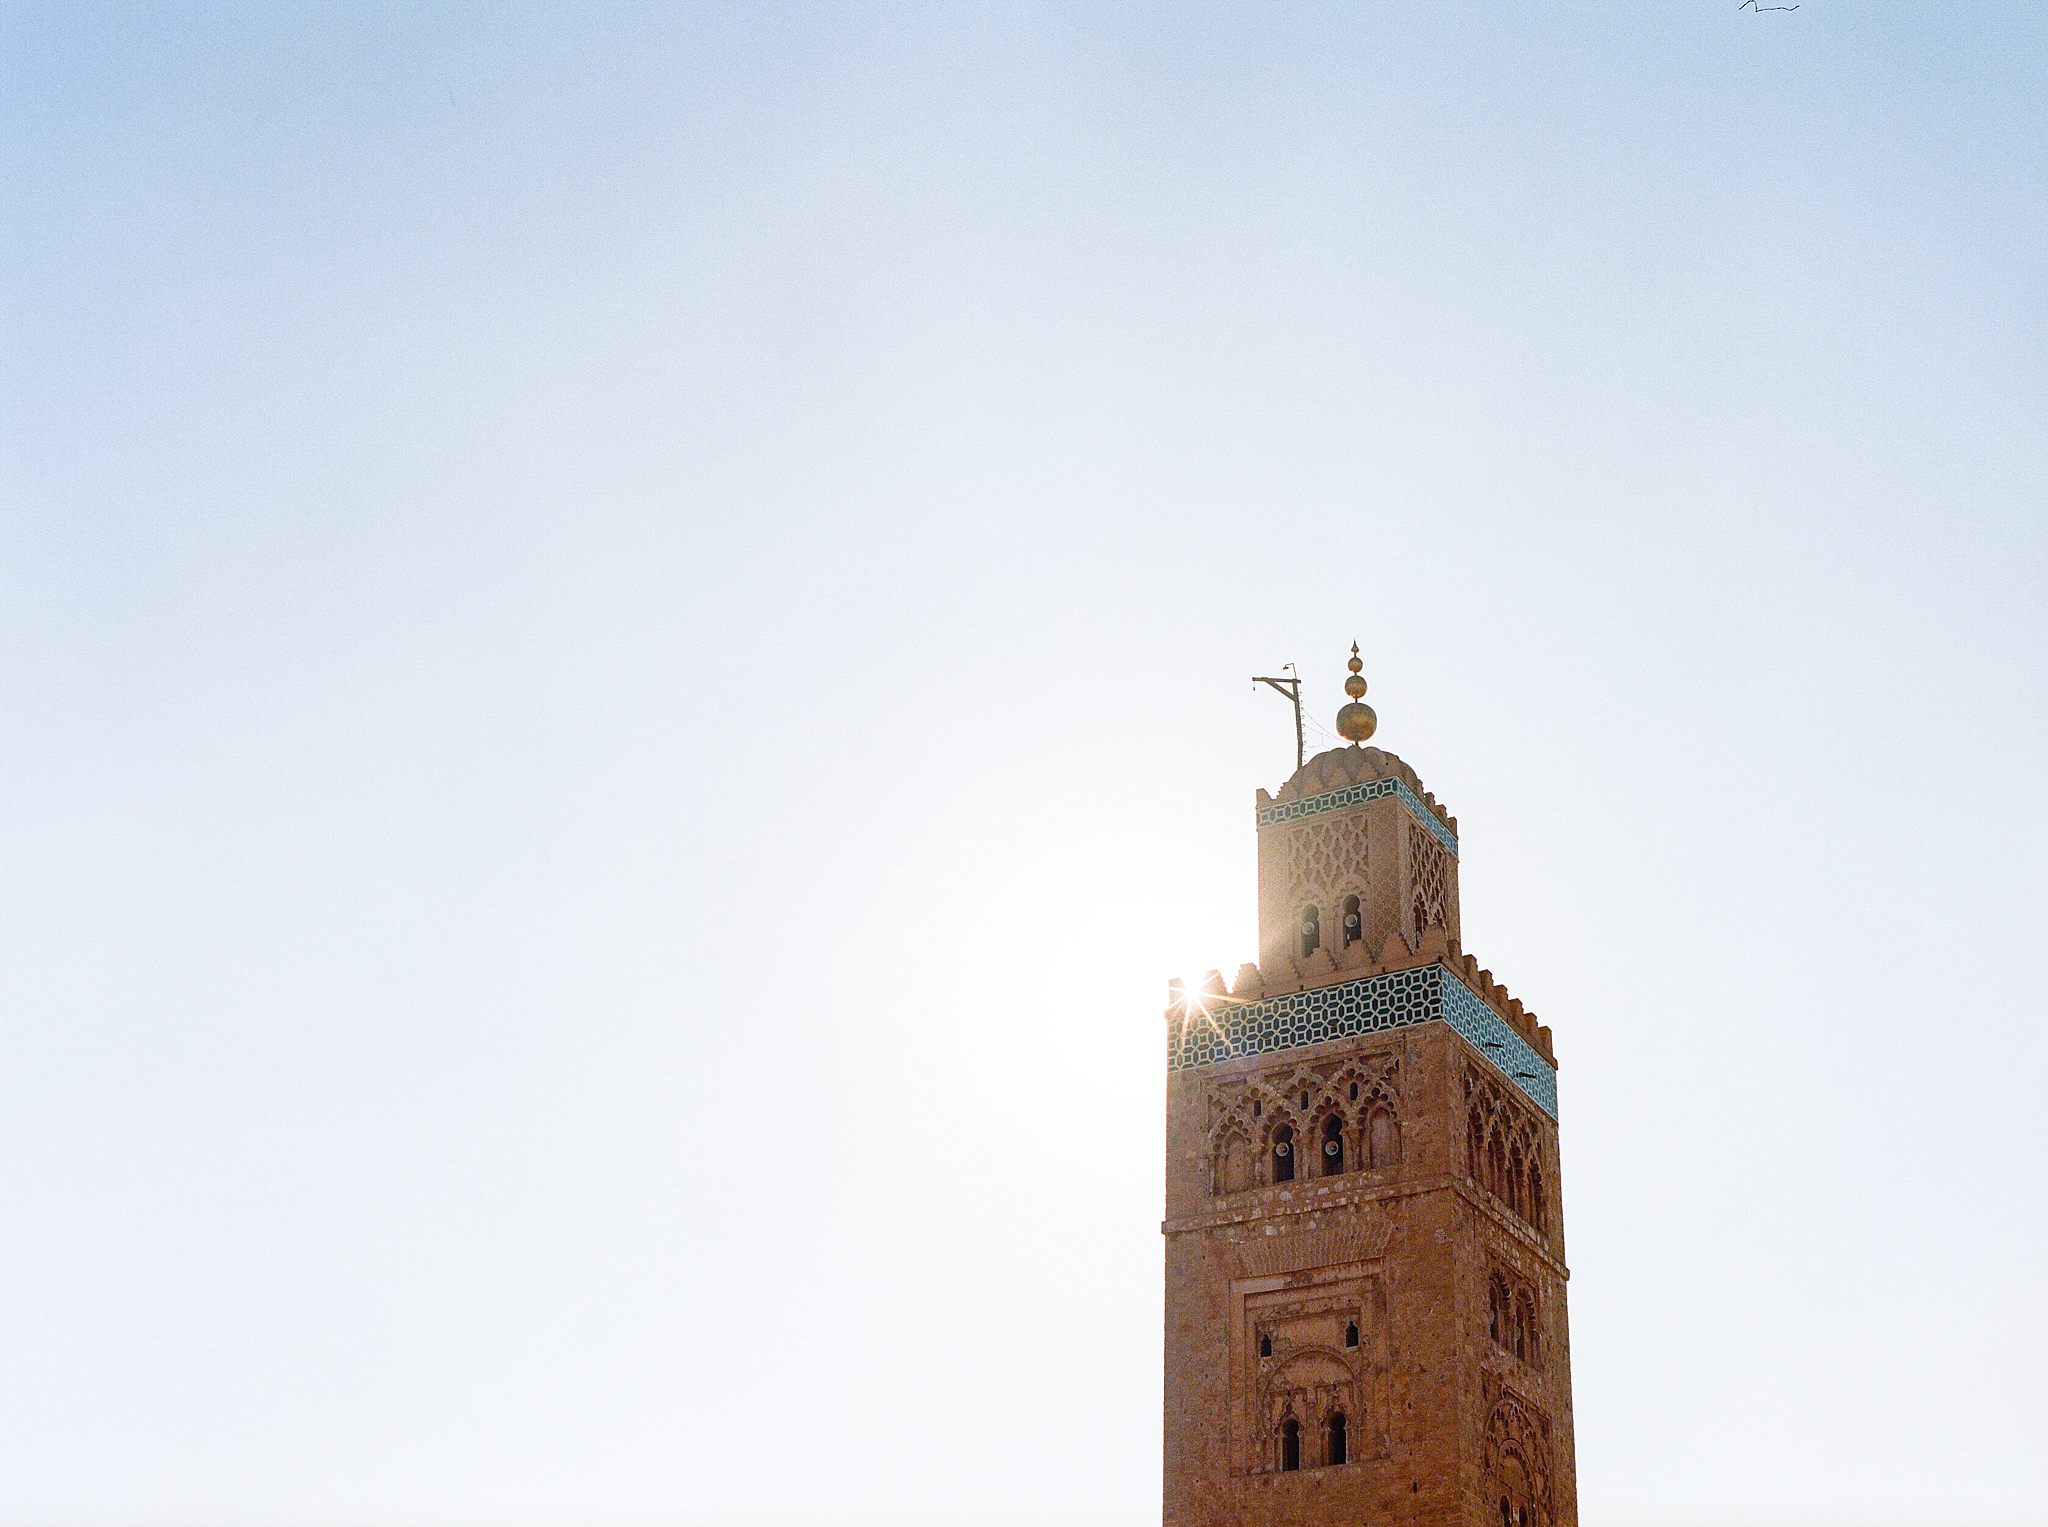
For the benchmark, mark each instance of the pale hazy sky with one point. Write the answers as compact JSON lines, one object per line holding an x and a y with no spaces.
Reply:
{"x":624,"y":638}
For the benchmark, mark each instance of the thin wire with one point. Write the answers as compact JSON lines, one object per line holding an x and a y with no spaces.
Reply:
{"x":1324,"y":730}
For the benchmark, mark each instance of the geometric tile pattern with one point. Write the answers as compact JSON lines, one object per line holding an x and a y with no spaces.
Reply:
{"x":1514,"y":1055}
{"x":1354,"y":795}
{"x":1215,"y":1028}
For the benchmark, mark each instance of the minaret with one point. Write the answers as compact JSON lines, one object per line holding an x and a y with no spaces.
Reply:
{"x":1365,"y":1279}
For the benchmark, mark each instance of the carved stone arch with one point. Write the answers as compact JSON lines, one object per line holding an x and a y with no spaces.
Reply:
{"x":1259,"y":1102}
{"x":1310,"y":1385}
{"x":1306,"y":1079}
{"x":1380,"y":1135}
{"x":1500,"y":1310}
{"x":1384,"y":1089}
{"x":1328,"y":1124}
{"x":1234,"y":1165}
{"x":1527,"y":1328}
{"x":1281,"y":1127}
{"x":1287,"y":1439}
{"x":1350,"y":918}
{"x":1518,"y":1460}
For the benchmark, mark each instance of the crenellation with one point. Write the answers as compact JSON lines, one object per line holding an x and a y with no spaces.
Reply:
{"x":1254,"y":982}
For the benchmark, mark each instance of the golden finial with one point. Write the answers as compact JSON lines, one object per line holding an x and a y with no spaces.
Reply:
{"x":1356,"y":722}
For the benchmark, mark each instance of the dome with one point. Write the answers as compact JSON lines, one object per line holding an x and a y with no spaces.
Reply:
{"x":1338,"y":767}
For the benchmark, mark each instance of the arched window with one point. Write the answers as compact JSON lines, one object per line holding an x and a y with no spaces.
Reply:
{"x":1333,"y":1146}
{"x":1337,"y":1439}
{"x":1539,"y":1202}
{"x":1517,"y":1182}
{"x":1351,"y":1334}
{"x":1354,"y":925}
{"x":1311,"y":931}
{"x":1290,"y":1444}
{"x":1475,"y":1143}
{"x":1383,"y":1139}
{"x":1265,"y":1346}
{"x":1499,"y":1312}
{"x":1283,"y":1154}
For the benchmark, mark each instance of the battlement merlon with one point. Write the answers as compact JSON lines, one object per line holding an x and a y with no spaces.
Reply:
{"x":1253,"y":983}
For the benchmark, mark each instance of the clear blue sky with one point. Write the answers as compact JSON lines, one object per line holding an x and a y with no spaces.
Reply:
{"x":623,"y":655}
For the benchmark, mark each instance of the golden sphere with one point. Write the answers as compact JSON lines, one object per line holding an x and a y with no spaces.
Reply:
{"x":1356,"y":662}
{"x":1356,"y":722}
{"x":1355,"y":687}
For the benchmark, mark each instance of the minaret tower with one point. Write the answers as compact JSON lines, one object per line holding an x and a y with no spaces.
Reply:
{"x":1365,"y":1279}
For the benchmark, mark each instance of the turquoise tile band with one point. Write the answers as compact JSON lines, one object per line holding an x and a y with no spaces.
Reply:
{"x":1358,"y":795}
{"x":1368,"y":1005}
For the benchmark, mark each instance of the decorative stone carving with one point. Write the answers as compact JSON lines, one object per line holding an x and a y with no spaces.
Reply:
{"x":1504,"y":1149}
{"x":1517,"y":1460}
{"x":1353,"y":1104}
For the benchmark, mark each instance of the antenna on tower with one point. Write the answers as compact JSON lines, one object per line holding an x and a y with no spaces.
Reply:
{"x":1291,"y":688}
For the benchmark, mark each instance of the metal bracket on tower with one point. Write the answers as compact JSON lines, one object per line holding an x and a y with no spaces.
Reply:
{"x":1291,"y":688}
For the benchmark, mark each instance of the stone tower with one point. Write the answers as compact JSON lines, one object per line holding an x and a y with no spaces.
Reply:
{"x":1365,"y":1279}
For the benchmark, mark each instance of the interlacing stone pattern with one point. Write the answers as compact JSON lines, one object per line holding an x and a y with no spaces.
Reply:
{"x":1429,"y":873}
{"x":1358,"y":795}
{"x":1216,"y":1028}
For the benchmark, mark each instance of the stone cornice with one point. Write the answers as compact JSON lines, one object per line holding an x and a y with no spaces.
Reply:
{"x":1277,"y":1209}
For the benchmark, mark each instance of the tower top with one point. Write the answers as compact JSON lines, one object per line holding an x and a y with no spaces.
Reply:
{"x":1355,"y":721}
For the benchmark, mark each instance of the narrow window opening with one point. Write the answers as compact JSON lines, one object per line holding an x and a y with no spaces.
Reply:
{"x":1283,"y":1154}
{"x":1333,"y":1146}
{"x":1290,"y":1444}
{"x":1257,"y":1108}
{"x":1337,"y":1437}
{"x":1354,"y":929}
{"x":1265,"y":1346}
{"x":1351,"y":1334}
{"x":1311,"y":931}
{"x":1354,"y":1092}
